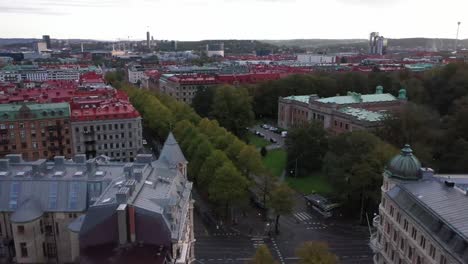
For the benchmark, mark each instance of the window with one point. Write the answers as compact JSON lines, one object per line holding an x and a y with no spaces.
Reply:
{"x":402,"y":244}
{"x":395,"y":235}
{"x":422,"y":242}
{"x":129,"y":125}
{"x":391,"y":210}
{"x":405,"y":225}
{"x":53,"y":190}
{"x":24,"y":250}
{"x":410,"y":252}
{"x":41,"y":226}
{"x":116,"y":126}
{"x":56,"y":228}
{"x":414,"y":233}
{"x":44,"y":249}
{"x":48,"y":230}
{"x":121,"y":126}
{"x":418,"y":260}
{"x":398,"y":217}
{"x":51,"y":250}
{"x":73,"y":195}
{"x":20,"y":229}
{"x":77,"y":129}
{"x":432,"y":251}
{"x":14,"y":194}
{"x":443,"y":259}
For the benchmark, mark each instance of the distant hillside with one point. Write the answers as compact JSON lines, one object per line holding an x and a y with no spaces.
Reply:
{"x":13,"y":41}
{"x":313,"y":43}
{"x":357,"y":44}
{"x":231,"y":46}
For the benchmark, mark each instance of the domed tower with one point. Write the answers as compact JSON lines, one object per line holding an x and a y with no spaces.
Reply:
{"x":403,"y":167}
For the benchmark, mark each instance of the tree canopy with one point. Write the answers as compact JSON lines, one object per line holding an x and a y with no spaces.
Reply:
{"x":315,"y":253}
{"x":263,"y":256}
{"x":232,"y":108}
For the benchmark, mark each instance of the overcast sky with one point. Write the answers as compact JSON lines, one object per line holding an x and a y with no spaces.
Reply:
{"x":232,"y":19}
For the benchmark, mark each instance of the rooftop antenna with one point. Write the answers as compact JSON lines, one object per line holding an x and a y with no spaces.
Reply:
{"x":456,"y":39}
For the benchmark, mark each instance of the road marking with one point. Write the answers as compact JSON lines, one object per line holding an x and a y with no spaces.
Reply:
{"x":315,"y":228}
{"x":302,"y":216}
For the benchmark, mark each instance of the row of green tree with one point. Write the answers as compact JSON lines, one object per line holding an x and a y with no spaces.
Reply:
{"x":230,"y":106}
{"x":352,"y":162}
{"x":222,"y":166}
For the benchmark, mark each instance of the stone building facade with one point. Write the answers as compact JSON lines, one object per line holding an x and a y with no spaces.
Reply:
{"x":339,"y":113}
{"x":37,"y":131}
{"x":112,"y":129}
{"x":184,"y":87}
{"x":423,"y":218}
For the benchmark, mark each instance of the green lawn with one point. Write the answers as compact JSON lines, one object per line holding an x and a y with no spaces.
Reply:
{"x":275,"y":160}
{"x":257,"y":141}
{"x":312,"y":183}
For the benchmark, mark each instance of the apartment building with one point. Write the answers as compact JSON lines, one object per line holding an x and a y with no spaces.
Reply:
{"x":111,"y":128}
{"x":184,"y":87}
{"x":37,"y":131}
{"x":90,"y":211}
{"x":423,"y":217}
{"x":339,"y":114}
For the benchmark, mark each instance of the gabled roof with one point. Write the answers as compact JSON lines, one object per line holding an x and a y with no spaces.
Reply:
{"x":171,"y":152}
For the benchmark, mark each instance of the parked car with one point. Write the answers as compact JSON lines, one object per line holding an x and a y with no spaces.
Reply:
{"x":284,"y":134}
{"x":145,"y":142}
{"x":272,"y":140}
{"x":265,"y":126}
{"x":273,"y":129}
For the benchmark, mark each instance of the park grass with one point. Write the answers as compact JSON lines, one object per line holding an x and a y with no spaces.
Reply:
{"x":257,"y":141}
{"x":313,"y":183}
{"x":275,"y":161}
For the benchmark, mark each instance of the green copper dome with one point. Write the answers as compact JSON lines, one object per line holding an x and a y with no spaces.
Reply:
{"x":404,"y":166}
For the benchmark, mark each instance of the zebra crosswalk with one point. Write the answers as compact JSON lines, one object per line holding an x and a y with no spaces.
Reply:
{"x":257,"y":241}
{"x":303,"y":216}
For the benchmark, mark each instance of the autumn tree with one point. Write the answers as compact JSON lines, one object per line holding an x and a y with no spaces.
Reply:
{"x":250,"y":160}
{"x":315,"y":253}
{"x":228,"y":187}
{"x":306,"y":146}
{"x":263,"y":256}
{"x":354,"y":164}
{"x":232,"y":107}
{"x":282,"y":202}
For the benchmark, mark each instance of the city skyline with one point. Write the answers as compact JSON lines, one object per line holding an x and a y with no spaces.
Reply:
{"x":228,"y":19}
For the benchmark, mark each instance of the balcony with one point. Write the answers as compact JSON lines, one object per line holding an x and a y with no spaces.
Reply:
{"x":88,"y":133}
{"x":90,"y":142}
{"x":52,"y":128}
{"x":3,"y":131}
{"x":4,"y":142}
{"x":374,"y":243}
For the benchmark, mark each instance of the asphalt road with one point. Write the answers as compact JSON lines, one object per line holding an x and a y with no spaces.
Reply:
{"x":349,"y":244}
